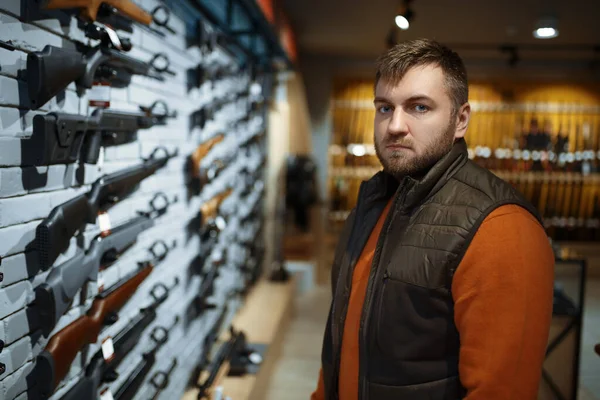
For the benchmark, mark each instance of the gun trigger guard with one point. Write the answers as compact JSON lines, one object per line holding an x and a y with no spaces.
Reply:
{"x":158,"y":103}
{"x":159,"y":256}
{"x":164,"y":22}
{"x":161,"y":384}
{"x":156,"y":150}
{"x":165,"y":68}
{"x":163,"y":209}
{"x":162,"y":338}
{"x":156,"y":297}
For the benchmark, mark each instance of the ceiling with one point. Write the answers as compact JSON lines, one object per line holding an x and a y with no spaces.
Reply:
{"x":474,"y":28}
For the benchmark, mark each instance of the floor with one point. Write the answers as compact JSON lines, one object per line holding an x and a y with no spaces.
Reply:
{"x":296,"y":372}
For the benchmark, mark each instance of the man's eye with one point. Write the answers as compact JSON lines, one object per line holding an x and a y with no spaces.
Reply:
{"x":421,"y":108}
{"x":384,"y":109}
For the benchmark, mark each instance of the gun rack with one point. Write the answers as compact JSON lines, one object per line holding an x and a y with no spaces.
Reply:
{"x":247,"y":33}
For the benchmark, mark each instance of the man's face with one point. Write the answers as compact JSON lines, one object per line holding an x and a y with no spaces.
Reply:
{"x":414,"y":123}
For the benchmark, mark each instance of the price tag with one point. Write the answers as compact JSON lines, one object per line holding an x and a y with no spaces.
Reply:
{"x":108,"y":350}
{"x":100,"y":281}
{"x":106,"y":394}
{"x":99,"y":95}
{"x":104,"y":224}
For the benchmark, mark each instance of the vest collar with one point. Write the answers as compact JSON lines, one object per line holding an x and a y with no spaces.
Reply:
{"x":414,"y":191}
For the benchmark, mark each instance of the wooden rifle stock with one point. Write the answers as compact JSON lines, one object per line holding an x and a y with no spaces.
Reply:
{"x":201,"y":152}
{"x":64,"y":345}
{"x":89,"y":8}
{"x":210,"y":209}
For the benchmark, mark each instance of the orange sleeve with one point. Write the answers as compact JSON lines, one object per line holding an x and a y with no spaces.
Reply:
{"x":503,"y":292}
{"x":319,"y":394}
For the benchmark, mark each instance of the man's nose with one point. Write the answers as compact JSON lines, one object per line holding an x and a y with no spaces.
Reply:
{"x":398,"y":124}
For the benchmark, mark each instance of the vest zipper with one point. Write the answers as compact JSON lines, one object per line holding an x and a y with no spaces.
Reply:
{"x":338,"y":334}
{"x":366,"y":311}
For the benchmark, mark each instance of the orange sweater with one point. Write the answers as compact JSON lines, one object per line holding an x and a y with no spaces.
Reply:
{"x":502,"y":292}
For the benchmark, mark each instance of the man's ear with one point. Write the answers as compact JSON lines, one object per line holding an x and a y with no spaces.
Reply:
{"x":462,"y":120}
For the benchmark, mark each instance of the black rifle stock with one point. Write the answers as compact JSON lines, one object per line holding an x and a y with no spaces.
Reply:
{"x":53,"y":297}
{"x":51,"y":70}
{"x":54,"y":233}
{"x":67,"y":138}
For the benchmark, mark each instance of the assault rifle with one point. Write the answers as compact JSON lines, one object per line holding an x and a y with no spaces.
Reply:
{"x":100,"y":370}
{"x":130,"y":387}
{"x":66,"y":138}
{"x":53,"y":363}
{"x":53,"y":297}
{"x":193,"y":172}
{"x":54,"y":233}
{"x":51,"y":70}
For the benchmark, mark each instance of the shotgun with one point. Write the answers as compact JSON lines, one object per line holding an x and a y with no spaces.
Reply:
{"x":54,"y":233}
{"x":54,"y":362}
{"x":66,"y":138}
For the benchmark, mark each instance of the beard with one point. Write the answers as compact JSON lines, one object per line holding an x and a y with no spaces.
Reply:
{"x":403,"y":162}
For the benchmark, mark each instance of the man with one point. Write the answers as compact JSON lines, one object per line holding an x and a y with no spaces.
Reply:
{"x":443,"y":276}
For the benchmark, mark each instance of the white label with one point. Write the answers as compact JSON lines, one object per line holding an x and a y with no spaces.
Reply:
{"x":106,"y":394}
{"x":108,"y":350}
{"x":99,"y":95}
{"x":104,"y":222}
{"x":100,"y":281}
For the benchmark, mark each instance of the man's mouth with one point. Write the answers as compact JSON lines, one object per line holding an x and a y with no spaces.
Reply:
{"x":397,"y":146}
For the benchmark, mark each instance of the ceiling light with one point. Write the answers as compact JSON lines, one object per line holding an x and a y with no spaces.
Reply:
{"x":404,"y":16}
{"x":546,"y":28}
{"x":402,"y":22}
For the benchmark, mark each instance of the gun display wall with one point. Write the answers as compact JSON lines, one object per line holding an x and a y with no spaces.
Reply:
{"x":543,"y":139}
{"x":132,"y":149}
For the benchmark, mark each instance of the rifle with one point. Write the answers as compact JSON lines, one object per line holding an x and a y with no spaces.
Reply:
{"x":54,"y":233}
{"x":51,"y":70}
{"x":195,"y":180}
{"x":67,"y":137}
{"x":224,"y":354}
{"x":200,"y":303}
{"x":54,"y":362}
{"x":202,"y":222}
{"x":100,"y":370}
{"x":53,"y":297}
{"x":200,"y":117}
{"x":130,"y":387}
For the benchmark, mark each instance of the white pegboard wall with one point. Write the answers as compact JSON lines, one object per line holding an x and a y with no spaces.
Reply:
{"x":29,"y":193}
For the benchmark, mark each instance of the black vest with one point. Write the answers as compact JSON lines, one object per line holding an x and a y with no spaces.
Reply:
{"x":408,"y":342}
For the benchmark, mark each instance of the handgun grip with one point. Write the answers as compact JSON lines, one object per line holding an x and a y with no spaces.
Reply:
{"x":51,"y":70}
